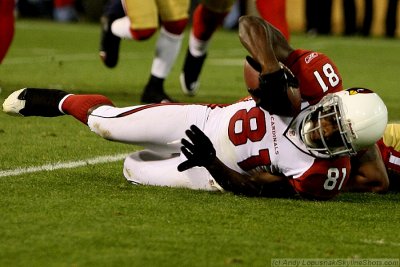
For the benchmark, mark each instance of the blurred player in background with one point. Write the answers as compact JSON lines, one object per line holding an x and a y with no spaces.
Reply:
{"x":7,"y":22}
{"x":207,"y":17}
{"x":139,"y":20}
{"x":274,"y":11}
{"x":64,"y":11}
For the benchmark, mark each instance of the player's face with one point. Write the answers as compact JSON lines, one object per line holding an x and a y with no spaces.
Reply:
{"x":328,"y":129}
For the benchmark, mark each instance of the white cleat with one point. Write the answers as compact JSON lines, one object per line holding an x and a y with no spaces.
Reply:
{"x":13,"y":104}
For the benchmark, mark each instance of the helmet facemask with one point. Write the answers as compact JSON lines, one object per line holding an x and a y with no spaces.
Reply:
{"x":325,"y":131}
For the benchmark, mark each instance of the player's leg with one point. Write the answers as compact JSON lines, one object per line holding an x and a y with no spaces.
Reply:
{"x":140,"y":21}
{"x":159,"y":126}
{"x":6,"y":26}
{"x":109,"y":43}
{"x":274,"y":11}
{"x":49,"y":103}
{"x":207,"y":17}
{"x":127,"y":19}
{"x":148,"y":168}
{"x":167,"y":48}
{"x":174,"y":18}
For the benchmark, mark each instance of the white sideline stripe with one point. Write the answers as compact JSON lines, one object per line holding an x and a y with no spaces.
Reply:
{"x":63,"y":165}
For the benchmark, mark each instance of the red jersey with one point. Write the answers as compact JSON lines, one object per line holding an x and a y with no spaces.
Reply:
{"x":316,"y":73}
{"x":324,"y":179}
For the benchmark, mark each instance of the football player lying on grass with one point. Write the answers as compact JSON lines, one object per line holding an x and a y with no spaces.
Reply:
{"x":317,"y":76}
{"x":241,"y":147}
{"x":246,"y":147}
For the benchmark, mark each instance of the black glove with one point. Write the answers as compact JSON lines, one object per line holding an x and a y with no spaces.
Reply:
{"x":282,"y":78}
{"x":272,"y":91}
{"x":264,"y":79}
{"x":200,"y":152}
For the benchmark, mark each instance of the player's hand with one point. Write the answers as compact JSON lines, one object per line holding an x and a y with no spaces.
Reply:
{"x":199,"y":152}
{"x":273,"y":91}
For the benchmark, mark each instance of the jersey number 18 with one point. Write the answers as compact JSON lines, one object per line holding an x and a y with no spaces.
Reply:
{"x":329,"y":74}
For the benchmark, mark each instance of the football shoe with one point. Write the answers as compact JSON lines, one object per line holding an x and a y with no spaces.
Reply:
{"x":155,"y":96}
{"x":109,"y":43}
{"x":190,"y":73}
{"x":154,"y":92}
{"x":34,"y":102}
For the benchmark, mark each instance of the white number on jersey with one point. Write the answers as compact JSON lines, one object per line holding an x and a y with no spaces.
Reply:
{"x":332,"y":178}
{"x":330,"y":74}
{"x":245,"y":126}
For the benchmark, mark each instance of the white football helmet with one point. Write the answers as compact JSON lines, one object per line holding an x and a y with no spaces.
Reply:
{"x":357,"y":119}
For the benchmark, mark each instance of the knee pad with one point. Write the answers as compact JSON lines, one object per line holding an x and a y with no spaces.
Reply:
{"x":175,"y":27}
{"x":122,"y":28}
{"x":142,"y":34}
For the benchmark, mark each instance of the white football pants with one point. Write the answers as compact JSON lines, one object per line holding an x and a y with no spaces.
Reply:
{"x":159,"y":128}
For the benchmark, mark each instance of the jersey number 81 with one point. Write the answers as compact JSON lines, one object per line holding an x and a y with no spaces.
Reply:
{"x":250,"y":126}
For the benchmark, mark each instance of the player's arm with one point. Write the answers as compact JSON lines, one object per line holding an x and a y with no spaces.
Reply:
{"x":368,"y":172}
{"x":265,"y":43}
{"x":199,"y":151}
{"x":258,"y":184}
{"x":277,"y":88}
{"x":255,"y":37}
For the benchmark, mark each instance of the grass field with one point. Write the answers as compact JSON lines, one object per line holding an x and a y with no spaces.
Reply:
{"x":88,"y":215}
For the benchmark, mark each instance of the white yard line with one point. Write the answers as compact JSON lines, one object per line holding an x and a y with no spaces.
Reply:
{"x":62,"y":165}
{"x":380,"y":242}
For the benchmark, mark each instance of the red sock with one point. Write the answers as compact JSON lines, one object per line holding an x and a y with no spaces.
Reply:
{"x":79,"y":105}
{"x":6,"y":26}
{"x":205,"y":22}
{"x":274,"y":11}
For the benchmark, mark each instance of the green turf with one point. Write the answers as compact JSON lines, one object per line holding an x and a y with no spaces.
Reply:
{"x":90,"y":216}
